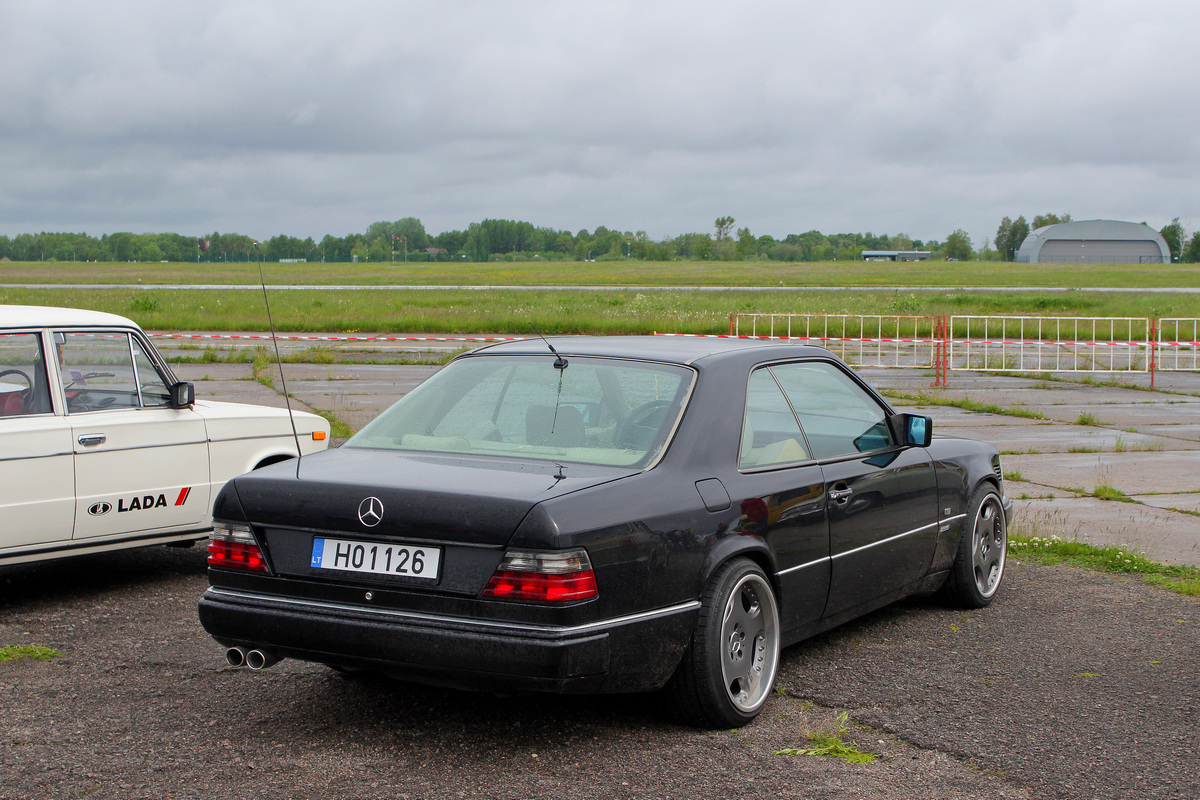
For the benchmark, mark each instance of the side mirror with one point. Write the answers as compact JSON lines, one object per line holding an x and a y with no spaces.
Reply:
{"x":183,"y":394}
{"x":911,"y":430}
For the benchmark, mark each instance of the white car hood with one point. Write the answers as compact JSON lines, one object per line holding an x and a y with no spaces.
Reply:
{"x":238,"y":419}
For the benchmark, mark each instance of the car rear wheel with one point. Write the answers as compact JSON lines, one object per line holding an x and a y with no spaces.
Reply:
{"x":728,"y":669}
{"x":979,"y":566}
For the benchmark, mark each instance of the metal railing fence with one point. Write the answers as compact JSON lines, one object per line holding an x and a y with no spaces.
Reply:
{"x":989,"y":343}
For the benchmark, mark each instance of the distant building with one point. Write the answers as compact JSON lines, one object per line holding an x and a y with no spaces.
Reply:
{"x":1095,"y":241}
{"x":895,"y":255}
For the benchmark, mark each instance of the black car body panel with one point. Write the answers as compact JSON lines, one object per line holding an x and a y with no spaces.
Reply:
{"x":837,"y":536}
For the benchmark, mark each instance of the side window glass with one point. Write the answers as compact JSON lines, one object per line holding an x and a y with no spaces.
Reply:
{"x":770,"y":433}
{"x":23,"y":386}
{"x":153,"y":388}
{"x":97,"y":370}
{"x":838,"y":417}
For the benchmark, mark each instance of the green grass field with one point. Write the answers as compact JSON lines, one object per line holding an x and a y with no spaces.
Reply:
{"x":134,"y":293}
{"x":621,"y":273}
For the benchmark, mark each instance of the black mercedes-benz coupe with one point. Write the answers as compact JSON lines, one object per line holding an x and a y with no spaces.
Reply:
{"x":610,"y":514}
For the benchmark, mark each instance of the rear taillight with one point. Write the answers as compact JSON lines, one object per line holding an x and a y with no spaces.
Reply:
{"x":234,"y":547}
{"x":548,"y":577}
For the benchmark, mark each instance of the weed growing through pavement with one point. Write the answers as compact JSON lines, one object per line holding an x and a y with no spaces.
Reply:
{"x":833,"y":744}
{"x":1104,"y":491}
{"x":337,"y":428}
{"x":1116,"y":559}
{"x":309,"y":355}
{"x":14,"y":651}
{"x":964,"y":403}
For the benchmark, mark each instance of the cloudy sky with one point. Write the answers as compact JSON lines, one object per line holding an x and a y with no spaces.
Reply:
{"x":306,"y":118}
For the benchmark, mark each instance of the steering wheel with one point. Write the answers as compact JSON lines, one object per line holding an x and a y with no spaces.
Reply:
{"x":17,"y":372}
{"x":637,"y":431}
{"x":27,"y":392}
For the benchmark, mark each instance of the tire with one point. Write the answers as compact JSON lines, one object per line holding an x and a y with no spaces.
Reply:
{"x":728,"y":669}
{"x":979,"y":565}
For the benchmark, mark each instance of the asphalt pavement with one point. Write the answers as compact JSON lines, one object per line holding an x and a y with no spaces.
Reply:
{"x":1072,"y":684}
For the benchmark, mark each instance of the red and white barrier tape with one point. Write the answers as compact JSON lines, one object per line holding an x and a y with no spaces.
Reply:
{"x":989,"y":342}
{"x":268,"y":337}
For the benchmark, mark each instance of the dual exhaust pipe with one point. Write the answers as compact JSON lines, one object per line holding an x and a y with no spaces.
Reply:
{"x":255,"y":659}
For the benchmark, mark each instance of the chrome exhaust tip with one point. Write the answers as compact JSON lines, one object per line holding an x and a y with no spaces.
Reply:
{"x":235,"y":656}
{"x":260,"y":659}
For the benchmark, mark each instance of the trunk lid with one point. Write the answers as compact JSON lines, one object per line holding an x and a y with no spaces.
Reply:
{"x":424,"y":497}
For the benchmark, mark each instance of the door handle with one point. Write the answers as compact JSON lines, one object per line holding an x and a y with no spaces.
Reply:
{"x":92,"y":439}
{"x":841,"y":495}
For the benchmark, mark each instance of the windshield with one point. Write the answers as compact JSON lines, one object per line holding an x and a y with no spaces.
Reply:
{"x":592,"y":411}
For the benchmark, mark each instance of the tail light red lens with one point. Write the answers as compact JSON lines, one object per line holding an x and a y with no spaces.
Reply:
{"x":234,"y":547}
{"x":544,"y":577}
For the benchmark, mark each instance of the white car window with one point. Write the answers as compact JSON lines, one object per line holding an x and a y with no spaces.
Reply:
{"x":153,"y":389}
{"x":97,"y":371}
{"x":23,"y":387}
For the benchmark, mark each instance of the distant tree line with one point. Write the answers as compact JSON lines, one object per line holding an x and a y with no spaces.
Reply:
{"x":512,"y":240}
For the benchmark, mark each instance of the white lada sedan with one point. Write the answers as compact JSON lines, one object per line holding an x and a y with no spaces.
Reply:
{"x":102,"y":448}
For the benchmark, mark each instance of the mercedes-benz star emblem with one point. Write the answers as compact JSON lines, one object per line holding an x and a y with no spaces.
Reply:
{"x":370,"y":512}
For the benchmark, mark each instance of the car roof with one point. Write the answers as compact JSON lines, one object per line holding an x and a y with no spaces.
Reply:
{"x":51,"y":317}
{"x":674,"y":349}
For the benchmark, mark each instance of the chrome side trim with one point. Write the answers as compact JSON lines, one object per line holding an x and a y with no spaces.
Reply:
{"x":945,"y":521}
{"x":803,"y":566}
{"x":524,"y":627}
{"x":287,"y":436}
{"x":887,"y":540}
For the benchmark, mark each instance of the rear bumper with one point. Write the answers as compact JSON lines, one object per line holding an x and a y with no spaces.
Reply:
{"x":634,"y":653}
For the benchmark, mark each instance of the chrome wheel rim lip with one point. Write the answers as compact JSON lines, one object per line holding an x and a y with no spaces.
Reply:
{"x":749,"y":643}
{"x":989,"y":545}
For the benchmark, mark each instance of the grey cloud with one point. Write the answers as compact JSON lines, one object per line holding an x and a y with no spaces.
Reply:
{"x":310,"y":118}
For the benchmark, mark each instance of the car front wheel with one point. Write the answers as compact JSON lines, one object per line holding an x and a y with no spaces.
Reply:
{"x":979,"y":566}
{"x":728,"y":669}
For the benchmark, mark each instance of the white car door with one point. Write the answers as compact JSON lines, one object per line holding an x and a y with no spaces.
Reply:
{"x":37,"y":471}
{"x":140,"y":466}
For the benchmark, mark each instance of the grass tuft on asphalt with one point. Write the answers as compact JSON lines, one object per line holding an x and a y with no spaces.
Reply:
{"x":1053,"y":550}
{"x":13,"y":652}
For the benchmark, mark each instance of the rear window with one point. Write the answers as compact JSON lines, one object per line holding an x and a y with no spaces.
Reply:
{"x":593,"y":411}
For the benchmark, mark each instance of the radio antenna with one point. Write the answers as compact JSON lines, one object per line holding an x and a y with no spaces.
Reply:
{"x":278,"y":360}
{"x":560,"y":363}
